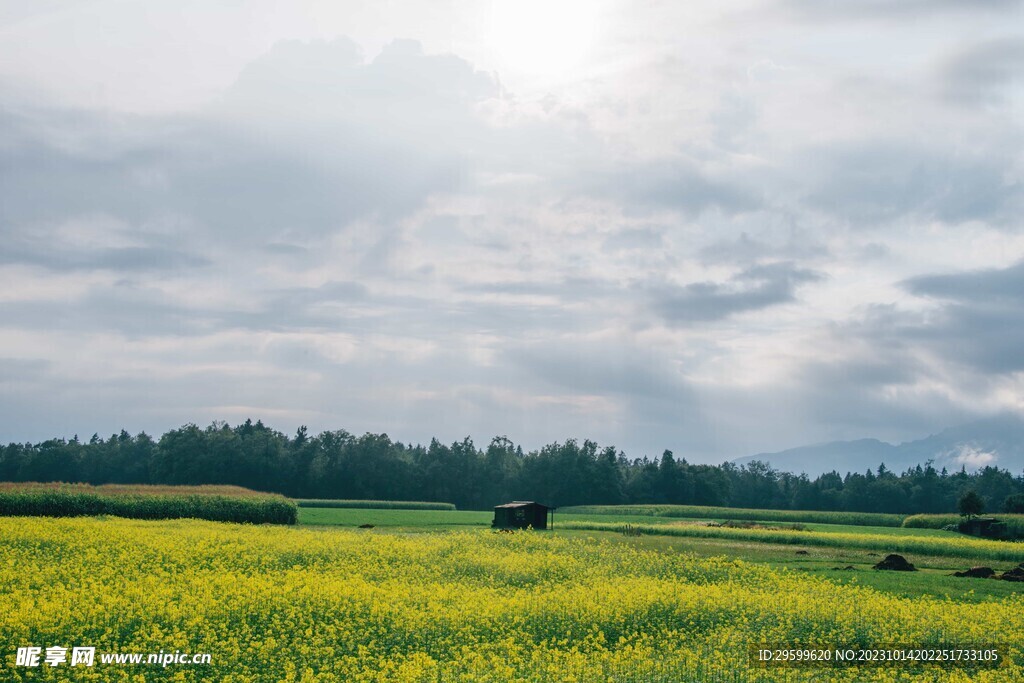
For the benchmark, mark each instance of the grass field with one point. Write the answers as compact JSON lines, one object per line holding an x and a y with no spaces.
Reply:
{"x":372,"y":504}
{"x":334,"y":604}
{"x":439,"y":519}
{"x":723,"y":513}
{"x":412,"y":520}
{"x":426,"y":520}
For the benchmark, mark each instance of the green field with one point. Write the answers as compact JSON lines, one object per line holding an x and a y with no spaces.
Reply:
{"x":372,"y":504}
{"x":721,"y":513}
{"x":413,"y":520}
{"x":425,"y":520}
{"x":439,"y":519}
{"x":829,"y":548}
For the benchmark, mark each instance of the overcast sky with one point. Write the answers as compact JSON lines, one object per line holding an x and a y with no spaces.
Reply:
{"x":719,"y":228}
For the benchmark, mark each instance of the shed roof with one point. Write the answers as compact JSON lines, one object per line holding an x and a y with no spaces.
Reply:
{"x":521,"y":504}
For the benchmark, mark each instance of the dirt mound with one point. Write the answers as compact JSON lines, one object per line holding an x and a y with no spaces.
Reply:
{"x":976,"y":573}
{"x":801,"y":552}
{"x":1015,"y":574}
{"x":895,"y":563}
{"x":847,"y":568}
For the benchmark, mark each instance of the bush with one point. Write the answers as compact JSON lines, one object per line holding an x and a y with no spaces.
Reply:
{"x":141,"y":502}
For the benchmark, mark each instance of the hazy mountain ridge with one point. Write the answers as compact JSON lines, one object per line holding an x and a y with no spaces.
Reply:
{"x":997,"y":441}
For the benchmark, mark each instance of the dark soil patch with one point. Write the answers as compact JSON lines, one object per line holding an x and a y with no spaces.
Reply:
{"x":895,"y":563}
{"x":1015,"y":574}
{"x":976,"y":573}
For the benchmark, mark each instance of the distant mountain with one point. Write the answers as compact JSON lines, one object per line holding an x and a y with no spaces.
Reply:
{"x":997,"y":441}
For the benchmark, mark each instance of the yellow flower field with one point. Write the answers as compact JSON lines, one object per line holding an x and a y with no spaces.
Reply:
{"x":286,"y":604}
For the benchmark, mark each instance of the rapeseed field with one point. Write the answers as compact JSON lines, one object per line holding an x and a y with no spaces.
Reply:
{"x":271,"y":603}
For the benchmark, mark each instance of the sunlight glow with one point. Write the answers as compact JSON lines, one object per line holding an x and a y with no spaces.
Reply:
{"x":539,"y":37}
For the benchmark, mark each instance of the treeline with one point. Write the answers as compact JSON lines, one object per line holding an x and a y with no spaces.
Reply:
{"x":337,"y":464}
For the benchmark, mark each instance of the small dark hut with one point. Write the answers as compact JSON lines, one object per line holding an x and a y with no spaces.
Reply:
{"x":986,"y":527}
{"x":520,"y":514}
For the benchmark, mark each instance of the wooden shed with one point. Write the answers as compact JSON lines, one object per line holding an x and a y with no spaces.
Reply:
{"x":520,"y":514}
{"x":986,"y":527}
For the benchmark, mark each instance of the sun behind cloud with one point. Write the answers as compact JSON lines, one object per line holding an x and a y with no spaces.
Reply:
{"x":539,"y":38}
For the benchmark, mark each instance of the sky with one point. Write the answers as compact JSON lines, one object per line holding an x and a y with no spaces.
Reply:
{"x":716,"y":228}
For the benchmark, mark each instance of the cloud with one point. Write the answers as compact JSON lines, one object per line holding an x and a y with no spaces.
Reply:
{"x":973,"y":457}
{"x":624,"y":390}
{"x":972,"y":287}
{"x":17,"y":370}
{"x":753,"y":289}
{"x":983,"y":73}
{"x":137,"y":308}
{"x":607,"y":368}
{"x":746,"y":249}
{"x":403,"y":98}
{"x":673,"y":184}
{"x":13,"y":12}
{"x":879,"y":181}
{"x":307,"y":141}
{"x":121,"y":259}
{"x":979,"y":321}
{"x":627,"y":239}
{"x":864,"y":386}
{"x":890,"y":10}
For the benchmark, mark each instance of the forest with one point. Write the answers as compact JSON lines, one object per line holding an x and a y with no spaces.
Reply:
{"x":338,"y":464}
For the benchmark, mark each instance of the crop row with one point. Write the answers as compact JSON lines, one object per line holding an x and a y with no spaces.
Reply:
{"x":147,"y":489}
{"x":953,"y":546}
{"x":78,"y":502}
{"x":751,"y":514}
